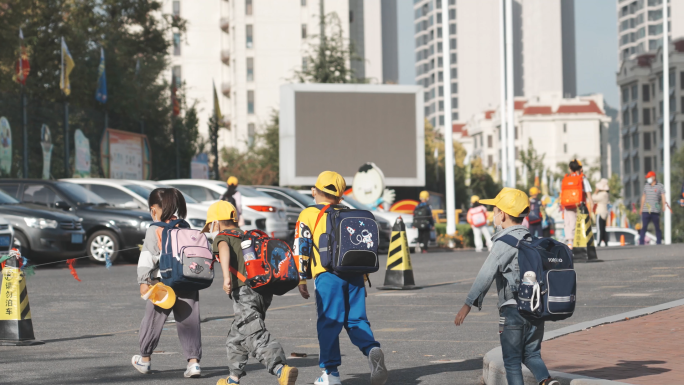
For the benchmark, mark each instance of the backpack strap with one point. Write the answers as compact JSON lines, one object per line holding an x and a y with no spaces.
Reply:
{"x":509,"y":240}
{"x":318,"y":219}
{"x":237,"y":274}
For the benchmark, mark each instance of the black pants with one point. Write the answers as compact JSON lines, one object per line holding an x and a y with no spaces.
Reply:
{"x":603,"y":236}
{"x":424,"y":238}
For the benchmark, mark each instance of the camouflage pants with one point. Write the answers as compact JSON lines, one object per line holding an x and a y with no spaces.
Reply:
{"x":248,"y":334}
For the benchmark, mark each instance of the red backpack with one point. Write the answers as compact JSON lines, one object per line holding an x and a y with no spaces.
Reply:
{"x":272,"y":269}
{"x":572,"y":191}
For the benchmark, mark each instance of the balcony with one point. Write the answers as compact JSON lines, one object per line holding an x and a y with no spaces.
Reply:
{"x":225,"y":56}
{"x":225,"y":24}
{"x":225,"y":89}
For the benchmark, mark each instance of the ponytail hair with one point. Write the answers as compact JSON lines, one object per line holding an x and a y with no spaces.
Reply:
{"x":171,"y":201}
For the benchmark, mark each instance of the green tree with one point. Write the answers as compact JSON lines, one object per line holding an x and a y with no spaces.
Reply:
{"x":615,"y":187}
{"x":533,"y":162}
{"x":129,"y":31}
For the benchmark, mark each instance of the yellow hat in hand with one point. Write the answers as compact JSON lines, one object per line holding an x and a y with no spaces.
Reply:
{"x":331,"y":183}
{"x":161,"y":295}
{"x":511,"y":201}
{"x":220,"y":211}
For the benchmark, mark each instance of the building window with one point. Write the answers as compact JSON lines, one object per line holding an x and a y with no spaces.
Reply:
{"x":441,"y":89}
{"x":441,"y":105}
{"x":565,"y":148}
{"x":303,"y":3}
{"x":452,"y":29}
{"x":490,"y":161}
{"x":176,"y":8}
{"x":647,"y":141}
{"x":250,"y":69}
{"x":489,"y":143}
{"x":645,"y":95}
{"x":454,"y":73}
{"x":625,"y":143}
{"x":682,"y":103}
{"x":635,"y":141}
{"x":628,"y":188}
{"x":681,"y":80}
{"x":250,"y":102}
{"x":250,"y":36}
{"x":251,"y":133}
{"x":452,"y":44}
{"x":176,"y":75}
{"x":454,"y":116}
{"x":625,"y":94}
{"x":635,"y":92}
{"x":303,"y":31}
{"x":453,"y":58}
{"x":637,"y":187}
{"x":515,"y":130}
{"x":441,"y":120}
{"x":248,"y":7}
{"x":565,"y":128}
{"x":647,"y":115}
{"x":625,"y":118}
{"x":647,"y":164}
{"x":682,"y":130}
{"x":454,"y":88}
{"x":452,"y":14}
{"x":635,"y":115}
{"x":176,"y":44}
{"x":454,"y":102}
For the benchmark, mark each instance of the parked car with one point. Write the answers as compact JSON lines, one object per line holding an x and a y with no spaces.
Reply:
{"x":253,"y":201}
{"x":294,"y":203}
{"x":40,"y":233}
{"x":108,"y":229}
{"x":631,"y":236}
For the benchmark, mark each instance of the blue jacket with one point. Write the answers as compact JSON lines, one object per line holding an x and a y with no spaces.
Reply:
{"x":423,"y":204}
{"x":501,"y":265}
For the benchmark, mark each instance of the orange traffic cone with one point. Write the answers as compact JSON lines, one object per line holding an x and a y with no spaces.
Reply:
{"x":622,"y":240}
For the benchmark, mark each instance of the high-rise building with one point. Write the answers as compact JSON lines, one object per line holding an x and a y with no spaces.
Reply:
{"x":640,"y":25}
{"x":249,"y":48}
{"x":543,"y":52}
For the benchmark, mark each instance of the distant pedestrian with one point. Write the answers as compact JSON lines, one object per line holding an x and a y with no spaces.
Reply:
{"x":536,"y":216}
{"x":652,"y":203}
{"x":423,"y":220}
{"x":477,"y":218}
{"x":601,"y":197}
{"x":233,"y":196}
{"x":575,"y":189}
{"x":166,"y":205}
{"x":520,"y":338}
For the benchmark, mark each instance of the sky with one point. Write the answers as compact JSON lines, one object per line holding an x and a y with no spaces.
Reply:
{"x":595,"y":44}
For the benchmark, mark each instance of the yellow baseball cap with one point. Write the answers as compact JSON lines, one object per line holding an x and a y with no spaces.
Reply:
{"x":220,"y":211}
{"x":534,"y":190}
{"x":511,"y":201}
{"x":474,"y":199}
{"x":424,"y":195}
{"x":331,"y":183}
{"x":232,"y":181}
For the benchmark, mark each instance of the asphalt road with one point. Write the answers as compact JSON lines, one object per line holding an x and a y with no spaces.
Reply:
{"x":90,"y":327}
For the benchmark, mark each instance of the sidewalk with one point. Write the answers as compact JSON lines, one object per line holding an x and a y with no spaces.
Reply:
{"x":644,"y":351}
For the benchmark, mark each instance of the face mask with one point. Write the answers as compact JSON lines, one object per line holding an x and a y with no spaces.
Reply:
{"x":649,"y":180}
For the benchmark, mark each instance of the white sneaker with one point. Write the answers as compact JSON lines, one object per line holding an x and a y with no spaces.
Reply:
{"x":328,"y":379}
{"x":379,"y":374}
{"x":142,"y":367}
{"x":193,"y":370}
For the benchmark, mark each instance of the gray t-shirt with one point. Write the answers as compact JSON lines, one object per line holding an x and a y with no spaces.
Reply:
{"x":653,"y":201}
{"x":148,"y":263}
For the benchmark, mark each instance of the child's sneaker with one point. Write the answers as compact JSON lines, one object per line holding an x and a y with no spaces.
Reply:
{"x":549,"y":381}
{"x":332,"y":378}
{"x":376,"y":359}
{"x":193,"y":370}
{"x":287,"y":375}
{"x":142,"y":367}
{"x":227,"y":381}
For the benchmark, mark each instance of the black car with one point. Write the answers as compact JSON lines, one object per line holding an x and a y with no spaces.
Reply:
{"x":41,"y":233}
{"x":107,"y":229}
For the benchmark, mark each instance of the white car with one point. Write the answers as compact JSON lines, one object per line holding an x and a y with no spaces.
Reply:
{"x":253,"y":201}
{"x":631,"y":236}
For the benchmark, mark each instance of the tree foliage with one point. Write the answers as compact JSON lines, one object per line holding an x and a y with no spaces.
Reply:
{"x":129,"y":31}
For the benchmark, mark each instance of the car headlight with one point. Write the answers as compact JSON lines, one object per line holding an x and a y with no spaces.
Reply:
{"x":197,"y":222}
{"x":41,"y":223}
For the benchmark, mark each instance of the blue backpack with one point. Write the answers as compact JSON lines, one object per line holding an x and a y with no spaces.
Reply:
{"x":186,"y":261}
{"x":350,"y":241}
{"x":552,"y":297}
{"x":535,"y":215}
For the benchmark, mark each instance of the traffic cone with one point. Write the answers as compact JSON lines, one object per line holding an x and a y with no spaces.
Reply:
{"x":399,"y":273}
{"x":584,"y":248}
{"x":622,"y":240}
{"x":16,"y":328}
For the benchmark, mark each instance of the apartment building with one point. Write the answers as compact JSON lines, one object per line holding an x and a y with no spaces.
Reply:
{"x":641,"y":115}
{"x":558,"y":128}
{"x":543,"y":53}
{"x":640,"y":25}
{"x":249,"y":48}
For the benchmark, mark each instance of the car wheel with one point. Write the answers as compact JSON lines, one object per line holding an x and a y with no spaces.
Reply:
{"x":21,"y":242}
{"x":100,"y":243}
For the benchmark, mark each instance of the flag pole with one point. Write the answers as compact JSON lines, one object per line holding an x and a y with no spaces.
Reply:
{"x":666,"y":124}
{"x":66,"y":138}
{"x":25,"y":127}
{"x":448,"y":125}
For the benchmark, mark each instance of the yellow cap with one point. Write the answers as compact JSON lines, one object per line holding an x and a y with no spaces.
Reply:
{"x":161,"y":295}
{"x":534,"y":190}
{"x":511,"y":201}
{"x":331,"y":183}
{"x":424,"y":195}
{"x":474,"y":199}
{"x":232,"y":181}
{"x":220,"y":211}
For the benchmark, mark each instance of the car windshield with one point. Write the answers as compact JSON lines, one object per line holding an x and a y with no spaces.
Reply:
{"x":80,"y":194}
{"x":251,"y":192}
{"x":145,"y":191}
{"x":6,"y":199}
{"x":301,"y":198}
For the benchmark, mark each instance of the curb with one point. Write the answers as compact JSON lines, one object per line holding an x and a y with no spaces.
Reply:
{"x":493,"y":372}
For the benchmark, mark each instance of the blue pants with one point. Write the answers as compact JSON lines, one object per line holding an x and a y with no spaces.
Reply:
{"x":650,"y":217}
{"x":536,"y":230}
{"x":521,"y":344}
{"x":341,"y":302}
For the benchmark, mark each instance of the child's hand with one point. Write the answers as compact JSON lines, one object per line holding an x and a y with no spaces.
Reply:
{"x":227,"y":283}
{"x":304,"y":291}
{"x":460,"y":317}
{"x":144,"y":288}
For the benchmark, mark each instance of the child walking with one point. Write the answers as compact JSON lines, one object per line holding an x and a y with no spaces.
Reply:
{"x":340,"y":298}
{"x":248,"y":333}
{"x":520,"y":338}
{"x":166,"y":204}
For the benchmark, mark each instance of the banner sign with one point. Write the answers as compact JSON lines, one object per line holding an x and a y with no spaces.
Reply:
{"x":125,"y":155}
{"x":82,"y":155}
{"x":199,"y":167}
{"x":46,"y":143}
{"x":5,"y":147}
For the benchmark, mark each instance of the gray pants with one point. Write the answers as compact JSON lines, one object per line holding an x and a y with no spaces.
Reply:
{"x":187,"y":315}
{"x":248,"y":334}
